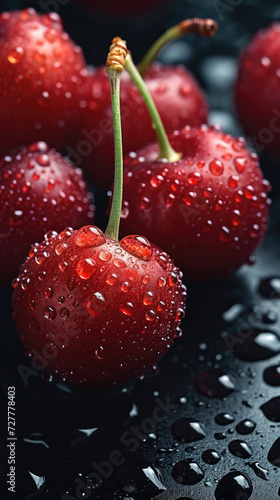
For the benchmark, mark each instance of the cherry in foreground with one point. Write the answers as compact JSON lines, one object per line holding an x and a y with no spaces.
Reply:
{"x":201,"y":197}
{"x":41,"y":77}
{"x":257,"y":90}
{"x":96,"y":310}
{"x":40,"y":191}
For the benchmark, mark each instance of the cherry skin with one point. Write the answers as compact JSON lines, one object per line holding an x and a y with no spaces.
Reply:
{"x":40,"y":191}
{"x":176,"y":94}
{"x":97,"y":311}
{"x":257,"y":90}
{"x":208,"y":210}
{"x":41,"y":77}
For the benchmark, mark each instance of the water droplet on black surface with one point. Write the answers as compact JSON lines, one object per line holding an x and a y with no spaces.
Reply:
{"x":220,"y":435}
{"x":211,"y":457}
{"x":271,"y":409}
{"x":269,"y":317}
{"x":240,"y":449}
{"x":187,"y":471}
{"x":258,"y":470}
{"x":224,"y":419}
{"x":215,"y":384}
{"x":270,"y":288}
{"x":274,"y":453}
{"x":140,"y":479}
{"x":234,"y":486}
{"x":246,"y":426}
{"x":271,"y":375}
{"x":256,"y":345}
{"x":186,"y":430}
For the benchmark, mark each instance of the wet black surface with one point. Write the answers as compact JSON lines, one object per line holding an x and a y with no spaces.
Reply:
{"x":120,"y":443}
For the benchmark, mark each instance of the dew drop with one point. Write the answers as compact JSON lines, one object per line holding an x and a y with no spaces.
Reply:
{"x":150,"y":315}
{"x":216,"y":167}
{"x":24,"y":282}
{"x":187,"y":430}
{"x":161,"y":282}
{"x":145,"y":203}
{"x":271,"y":409}
{"x":240,"y":164}
{"x":15,"y":56}
{"x":274,"y":453}
{"x":89,"y":236}
{"x":71,"y":284}
{"x":270,"y":288}
{"x":256,"y":345}
{"x":127,"y":309}
{"x":240,"y":449}
{"x":104,"y":255}
{"x":234,"y":486}
{"x":156,"y":180}
{"x":111,"y":279}
{"x":148,"y":298}
{"x":49,"y":312}
{"x":187,"y":471}
{"x":125,"y":286}
{"x":211,"y":457}
{"x":272,"y":375}
{"x":215,"y":384}
{"x":145,"y":280}
{"x":138,"y":246}
{"x":224,"y":234}
{"x":99,"y":353}
{"x":85,"y":268}
{"x":161,"y":306}
{"x":48,"y":292}
{"x":172,"y":279}
{"x":64,"y":313}
{"x":246,"y":426}
{"x":61,"y":248}
{"x":43,"y":160}
{"x":96,"y":304}
{"x":233,"y":181}
{"x":224,"y":419}
{"x":194,"y":178}
{"x":258,"y":470}
{"x":119,"y":263}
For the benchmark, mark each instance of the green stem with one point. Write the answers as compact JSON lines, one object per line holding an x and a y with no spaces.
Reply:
{"x":165,"y":148}
{"x":204,"y":27}
{"x":150,"y":56}
{"x":112,"y":230}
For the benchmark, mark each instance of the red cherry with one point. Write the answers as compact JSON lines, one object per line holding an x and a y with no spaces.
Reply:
{"x":40,"y":191}
{"x":208,"y":210}
{"x":257,"y":90}
{"x":97,"y":311}
{"x":176,"y":94}
{"x":41,"y":77}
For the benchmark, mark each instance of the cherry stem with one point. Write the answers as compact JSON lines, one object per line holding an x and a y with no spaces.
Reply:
{"x":114,"y":68}
{"x":165,"y":148}
{"x":204,"y":27}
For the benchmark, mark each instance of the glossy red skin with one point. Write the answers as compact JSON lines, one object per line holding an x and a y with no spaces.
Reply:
{"x":40,"y":90}
{"x":178,"y":99}
{"x":177,"y":221}
{"x":257,"y":93}
{"x":36,"y":199}
{"x":97,"y":343}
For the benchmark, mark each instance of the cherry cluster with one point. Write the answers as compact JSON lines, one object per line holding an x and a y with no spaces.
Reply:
{"x":104,"y":310}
